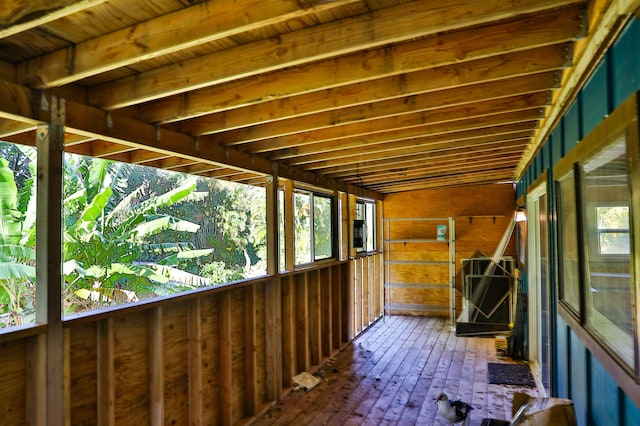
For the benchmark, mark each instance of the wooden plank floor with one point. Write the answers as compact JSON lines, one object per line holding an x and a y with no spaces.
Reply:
{"x":391,"y":375}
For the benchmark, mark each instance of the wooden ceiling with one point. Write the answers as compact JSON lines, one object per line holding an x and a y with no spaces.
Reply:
{"x":385,"y":95}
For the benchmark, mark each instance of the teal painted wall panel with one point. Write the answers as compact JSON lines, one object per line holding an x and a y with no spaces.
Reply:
{"x":555,"y":141}
{"x":631,"y":412}
{"x":625,"y":66}
{"x":604,"y":397}
{"x":576,"y":373}
{"x":571,"y":128}
{"x":562,"y":359}
{"x":546,"y":157}
{"x":595,"y":99}
{"x":578,"y":369}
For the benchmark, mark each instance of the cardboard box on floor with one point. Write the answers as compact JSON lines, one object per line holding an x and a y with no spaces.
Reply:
{"x":530,"y":411}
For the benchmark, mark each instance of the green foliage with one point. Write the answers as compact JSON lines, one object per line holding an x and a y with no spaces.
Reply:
{"x":17,"y":237}
{"x":129,"y":233}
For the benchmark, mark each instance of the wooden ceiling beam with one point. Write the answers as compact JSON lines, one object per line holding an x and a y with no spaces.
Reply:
{"x":40,"y":12}
{"x":363,"y":32}
{"x":9,"y":128}
{"x":183,"y":29}
{"x":605,"y":23}
{"x":433,"y":106}
{"x":400,"y":145}
{"x":446,"y":180}
{"x":427,"y":169}
{"x":99,"y":149}
{"x":413,"y":158}
{"x":444,"y":49}
{"x":455,"y":154}
{"x":404,"y":111}
{"x":420,"y":103}
{"x":529,"y":116}
{"x":272,"y":114}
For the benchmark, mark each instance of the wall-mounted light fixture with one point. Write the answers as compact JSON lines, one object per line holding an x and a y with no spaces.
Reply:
{"x":521,"y":215}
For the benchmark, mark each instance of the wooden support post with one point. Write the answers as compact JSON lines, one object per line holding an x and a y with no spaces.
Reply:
{"x":106,"y":373}
{"x":251,"y":361}
{"x":67,"y":376}
{"x":273,"y":299}
{"x":36,"y":380}
{"x":195,"y":363}
{"x":273,"y":324}
{"x":289,"y":337}
{"x":315,"y":313}
{"x":336,"y":306}
{"x":50,"y":144}
{"x":272,"y":222}
{"x":326,"y":301}
{"x":289,"y":249}
{"x":226,"y":359}
{"x":156,"y":367}
{"x":302,"y":322}
{"x":346,"y":300}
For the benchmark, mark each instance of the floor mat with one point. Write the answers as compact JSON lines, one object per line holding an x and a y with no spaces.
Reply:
{"x":510,"y":374}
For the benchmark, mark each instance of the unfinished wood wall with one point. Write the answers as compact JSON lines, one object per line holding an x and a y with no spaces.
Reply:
{"x":482,"y":214}
{"x":215,"y":358}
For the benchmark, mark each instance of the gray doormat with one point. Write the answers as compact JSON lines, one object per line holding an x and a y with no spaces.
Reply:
{"x":510,"y":374}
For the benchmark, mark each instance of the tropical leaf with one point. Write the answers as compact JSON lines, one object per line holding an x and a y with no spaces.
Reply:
{"x":124,"y":208}
{"x":178,"y":276}
{"x":101,"y":295}
{"x":184,"y":255}
{"x":156,"y":226}
{"x":99,"y":178}
{"x":17,"y":253}
{"x":12,"y":270}
{"x":139,"y":270}
{"x":177,"y":195}
{"x":10,"y":227}
{"x":96,"y":207}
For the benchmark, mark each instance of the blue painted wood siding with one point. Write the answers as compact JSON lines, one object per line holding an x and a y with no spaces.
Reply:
{"x":577,"y":374}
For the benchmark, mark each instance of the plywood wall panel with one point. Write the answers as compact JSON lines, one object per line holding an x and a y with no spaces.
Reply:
{"x":137,"y":365}
{"x":13,"y":390}
{"x":209,"y":327}
{"x":176,"y":364}
{"x":131,"y":361}
{"x":419,"y":274}
{"x":261,"y":344}
{"x":482,"y":214}
{"x":238,"y":355}
{"x":435,"y":296}
{"x":83,"y":374}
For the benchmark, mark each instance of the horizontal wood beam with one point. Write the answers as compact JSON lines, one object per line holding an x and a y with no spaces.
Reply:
{"x":385,"y":150}
{"x":481,"y":162}
{"x":446,"y":180}
{"x":529,"y":116}
{"x":438,"y":116}
{"x":415,"y":159}
{"x":183,"y":29}
{"x":39,"y":12}
{"x":367,"y":31}
{"x":445,"y":49}
{"x":421,"y":103}
{"x":326,"y":107}
{"x":603,"y":29}
{"x":469,"y":106}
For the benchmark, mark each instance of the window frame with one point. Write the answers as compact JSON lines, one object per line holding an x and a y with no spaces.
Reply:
{"x":314,"y":193}
{"x":366,"y":212}
{"x":622,"y":123}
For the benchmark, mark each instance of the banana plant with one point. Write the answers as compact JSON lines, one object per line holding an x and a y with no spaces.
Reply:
{"x":17,"y":241}
{"x":109,"y":248}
